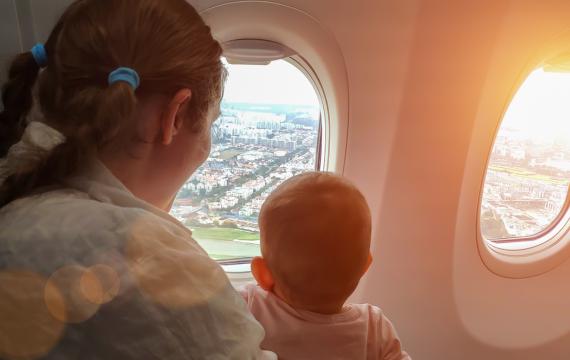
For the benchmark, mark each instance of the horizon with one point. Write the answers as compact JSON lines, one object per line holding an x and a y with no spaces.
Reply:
{"x":279,"y":82}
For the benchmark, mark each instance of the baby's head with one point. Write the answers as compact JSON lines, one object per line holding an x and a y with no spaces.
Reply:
{"x":315,"y":241}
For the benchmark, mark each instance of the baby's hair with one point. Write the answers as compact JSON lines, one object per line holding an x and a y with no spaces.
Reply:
{"x":315,"y":237}
{"x":165,"y":41}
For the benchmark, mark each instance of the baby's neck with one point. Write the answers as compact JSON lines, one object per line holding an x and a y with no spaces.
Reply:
{"x":325,"y":309}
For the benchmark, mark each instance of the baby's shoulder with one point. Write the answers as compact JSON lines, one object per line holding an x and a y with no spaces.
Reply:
{"x":372,"y":311}
{"x":251,"y":291}
{"x":375,"y":317}
{"x":382,"y":335}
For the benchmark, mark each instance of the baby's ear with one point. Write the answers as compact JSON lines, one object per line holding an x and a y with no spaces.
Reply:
{"x":261,"y":273}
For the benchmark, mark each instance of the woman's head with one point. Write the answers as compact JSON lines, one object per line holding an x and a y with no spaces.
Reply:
{"x":178,"y":62}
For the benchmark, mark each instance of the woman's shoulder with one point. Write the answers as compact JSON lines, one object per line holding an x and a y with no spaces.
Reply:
{"x":61,"y":213}
{"x":62,"y":228}
{"x":162,"y":293}
{"x":67,"y":226}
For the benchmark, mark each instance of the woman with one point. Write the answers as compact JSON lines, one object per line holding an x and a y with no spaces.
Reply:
{"x":94,"y":148}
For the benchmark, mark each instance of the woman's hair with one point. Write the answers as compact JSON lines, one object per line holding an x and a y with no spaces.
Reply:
{"x":165,"y":41}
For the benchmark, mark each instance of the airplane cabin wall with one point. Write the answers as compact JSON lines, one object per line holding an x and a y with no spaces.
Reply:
{"x":419,"y":132}
{"x":429,"y":276}
{"x":417,"y":73}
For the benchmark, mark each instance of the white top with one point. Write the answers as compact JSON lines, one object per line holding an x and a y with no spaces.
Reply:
{"x":166,"y":299}
{"x":360,"y":331}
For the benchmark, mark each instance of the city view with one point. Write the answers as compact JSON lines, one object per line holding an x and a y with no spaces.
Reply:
{"x":529,"y":170}
{"x":255,"y":147}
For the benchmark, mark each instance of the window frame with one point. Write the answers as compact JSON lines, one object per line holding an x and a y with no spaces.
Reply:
{"x":320,"y":52}
{"x":545,"y":255}
{"x":548,"y":234}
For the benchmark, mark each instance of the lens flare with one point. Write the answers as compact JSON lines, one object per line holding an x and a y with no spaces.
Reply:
{"x":170,"y":267}
{"x":100,"y":284}
{"x":76,"y":306}
{"x":27,"y":328}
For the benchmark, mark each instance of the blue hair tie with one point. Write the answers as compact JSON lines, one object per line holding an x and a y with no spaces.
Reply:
{"x":40,"y":55}
{"x":125,"y":74}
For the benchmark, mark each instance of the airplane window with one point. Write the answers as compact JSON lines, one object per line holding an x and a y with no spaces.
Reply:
{"x":528,"y":175}
{"x":268,"y":131}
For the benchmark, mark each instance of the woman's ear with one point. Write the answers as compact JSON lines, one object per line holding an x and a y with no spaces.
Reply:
{"x":261,"y":273}
{"x":170,"y":121}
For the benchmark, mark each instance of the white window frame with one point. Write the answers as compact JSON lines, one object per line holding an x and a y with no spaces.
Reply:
{"x":314,"y":51}
{"x":551,"y":246}
{"x":312,"y":47}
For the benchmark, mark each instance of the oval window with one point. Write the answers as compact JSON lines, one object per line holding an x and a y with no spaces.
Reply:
{"x":268,"y":131}
{"x":526,"y":185}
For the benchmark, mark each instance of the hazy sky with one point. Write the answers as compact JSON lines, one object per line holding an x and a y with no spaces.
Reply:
{"x":276,"y":83}
{"x":541,"y":107}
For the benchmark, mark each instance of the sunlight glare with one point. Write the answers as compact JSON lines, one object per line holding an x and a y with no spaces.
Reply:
{"x":541,"y":108}
{"x":277,"y":83}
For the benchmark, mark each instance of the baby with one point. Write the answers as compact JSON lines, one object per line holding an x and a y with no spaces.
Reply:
{"x":315,"y":240}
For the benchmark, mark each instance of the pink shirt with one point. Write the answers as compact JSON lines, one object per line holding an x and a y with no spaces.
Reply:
{"x":360,"y":331}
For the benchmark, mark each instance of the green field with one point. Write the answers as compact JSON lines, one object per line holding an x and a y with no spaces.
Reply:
{"x":524,"y":173}
{"x":221,"y":243}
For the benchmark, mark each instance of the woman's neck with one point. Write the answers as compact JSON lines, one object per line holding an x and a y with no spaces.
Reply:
{"x":135,"y":176}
